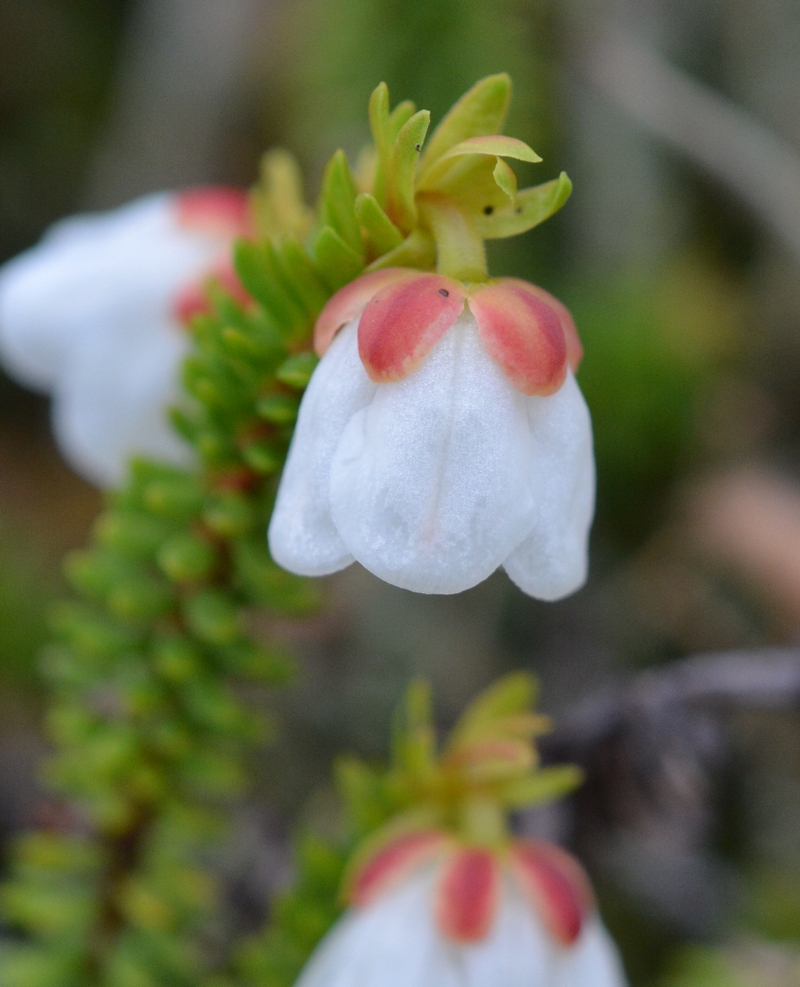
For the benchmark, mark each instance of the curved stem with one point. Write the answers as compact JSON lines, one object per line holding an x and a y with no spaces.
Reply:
{"x":460,"y":253}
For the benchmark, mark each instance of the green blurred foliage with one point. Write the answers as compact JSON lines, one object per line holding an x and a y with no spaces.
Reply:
{"x":653,"y":344}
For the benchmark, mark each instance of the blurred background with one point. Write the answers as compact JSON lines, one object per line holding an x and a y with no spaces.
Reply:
{"x":679,"y":254}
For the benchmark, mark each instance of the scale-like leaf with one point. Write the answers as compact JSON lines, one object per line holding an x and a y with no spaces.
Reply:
{"x":403,"y":169}
{"x":531,"y":207}
{"x":337,"y":202}
{"x":481,"y":110}
{"x":542,"y":786}
{"x":337,"y":262}
{"x":380,"y":229}
{"x":514,"y":693}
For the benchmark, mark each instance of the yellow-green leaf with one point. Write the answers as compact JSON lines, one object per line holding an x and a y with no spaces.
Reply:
{"x":399,"y":116}
{"x":532,"y":206}
{"x":505,"y":178}
{"x":481,"y":110}
{"x":300,"y":272}
{"x":278,"y":202}
{"x":414,"y":739}
{"x":337,"y":263}
{"x":542,"y":786}
{"x":337,"y":202}
{"x":514,"y":693}
{"x":402,"y":171}
{"x":379,"y":121}
{"x":417,"y":250}
{"x":499,"y":144}
{"x":380,"y":229}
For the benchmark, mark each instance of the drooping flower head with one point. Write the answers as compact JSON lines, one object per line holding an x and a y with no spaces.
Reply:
{"x":442,"y":434}
{"x":443,"y":893}
{"x":96,"y":315}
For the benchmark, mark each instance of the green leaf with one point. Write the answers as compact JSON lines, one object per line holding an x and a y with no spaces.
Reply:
{"x":513,"y":693}
{"x":133,"y":533}
{"x":414,"y":737}
{"x":264,"y":457}
{"x":400,"y":116}
{"x":178,"y":498}
{"x":379,"y":122}
{"x":417,"y":250}
{"x":506,"y":179}
{"x":497,"y":144}
{"x":139,"y":598}
{"x":301,"y":273}
{"x":545,"y":785}
{"x":213,"y":617}
{"x":480,"y":111}
{"x":230,"y":515}
{"x":280,"y":409}
{"x":259,"y":271}
{"x":532,"y":206}
{"x":337,"y":202}
{"x":338,"y":264}
{"x":403,"y":169}
{"x":186,"y":557}
{"x":380,"y":229}
{"x":297,"y":370}
{"x":459,"y":163}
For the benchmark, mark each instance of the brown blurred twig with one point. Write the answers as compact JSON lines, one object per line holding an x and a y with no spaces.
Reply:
{"x":712,"y":131}
{"x":763,"y":679}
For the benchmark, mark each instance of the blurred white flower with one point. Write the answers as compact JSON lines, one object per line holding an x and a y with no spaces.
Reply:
{"x":441,"y":436}
{"x":95,"y":315}
{"x":430,"y":913}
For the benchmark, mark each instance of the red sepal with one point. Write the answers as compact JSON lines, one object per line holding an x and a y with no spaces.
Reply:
{"x":556,"y":885}
{"x":574,"y":345}
{"x":467,"y":895}
{"x":404,"y":321}
{"x":391,"y":863}
{"x":350,"y":301}
{"x":523,"y":333}
{"x":216,"y":210}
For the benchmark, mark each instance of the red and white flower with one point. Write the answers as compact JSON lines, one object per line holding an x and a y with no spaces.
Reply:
{"x":430,"y":911}
{"x":441,"y":436}
{"x":95,"y":314}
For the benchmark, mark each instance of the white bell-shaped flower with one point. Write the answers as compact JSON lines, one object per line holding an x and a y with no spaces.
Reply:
{"x":428,"y":913}
{"x":441,"y":436}
{"x":95,"y":315}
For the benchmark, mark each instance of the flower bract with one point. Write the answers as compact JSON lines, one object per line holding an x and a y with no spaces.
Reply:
{"x":441,"y":436}
{"x":96,"y":315}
